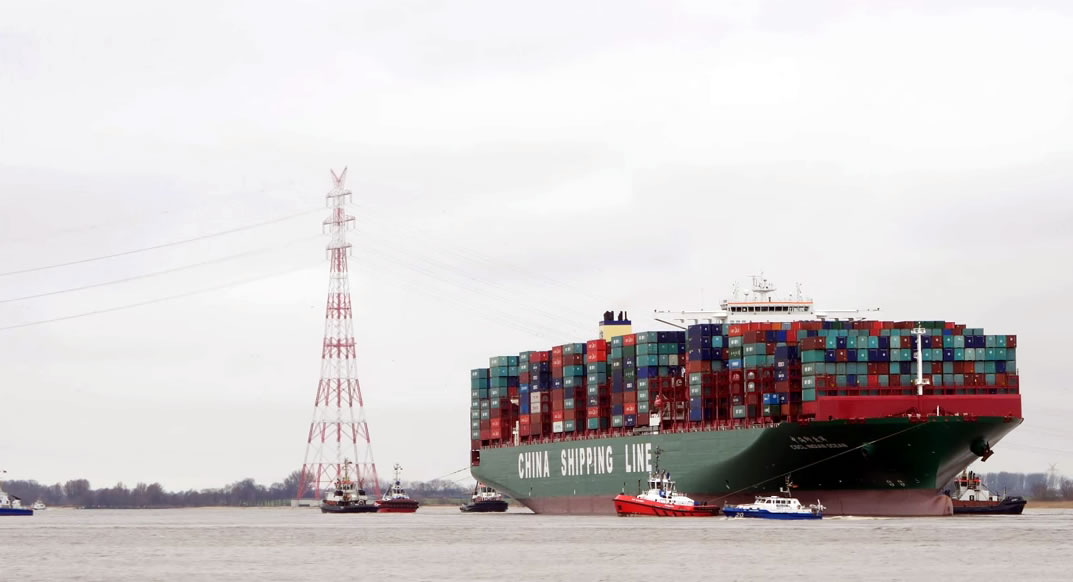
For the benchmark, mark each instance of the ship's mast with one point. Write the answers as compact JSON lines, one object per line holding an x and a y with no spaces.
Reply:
{"x":920,"y":380}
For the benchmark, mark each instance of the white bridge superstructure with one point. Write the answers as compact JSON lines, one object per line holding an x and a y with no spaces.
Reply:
{"x":758,"y":304}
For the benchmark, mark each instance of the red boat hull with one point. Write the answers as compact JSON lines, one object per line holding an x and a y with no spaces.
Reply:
{"x":397,"y":506}
{"x":630,"y":505}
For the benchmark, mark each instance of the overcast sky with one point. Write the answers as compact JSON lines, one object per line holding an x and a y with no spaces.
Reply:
{"x":517,"y":169}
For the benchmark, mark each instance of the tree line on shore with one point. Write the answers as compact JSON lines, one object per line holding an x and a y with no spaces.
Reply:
{"x":249,"y":493}
{"x":1048,"y":486}
{"x":243,"y":493}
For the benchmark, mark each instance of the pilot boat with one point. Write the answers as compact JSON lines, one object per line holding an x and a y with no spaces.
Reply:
{"x":776,"y":507}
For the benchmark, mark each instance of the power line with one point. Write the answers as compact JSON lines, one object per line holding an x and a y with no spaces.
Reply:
{"x":156,"y":273}
{"x":163,"y":245}
{"x":157,"y":300}
{"x":141,"y":215}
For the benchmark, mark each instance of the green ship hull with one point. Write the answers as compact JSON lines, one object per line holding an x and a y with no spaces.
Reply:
{"x":881,"y":466}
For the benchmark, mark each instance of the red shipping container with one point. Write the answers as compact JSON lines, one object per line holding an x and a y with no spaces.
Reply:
{"x":485,"y":434}
{"x":494,"y":423}
{"x":540,"y":357}
{"x":841,"y":356}
{"x":592,"y":413}
{"x":495,"y":434}
{"x":629,"y":408}
{"x":593,"y":357}
{"x":873,"y":380}
{"x":523,"y":420}
{"x":1011,"y":341}
{"x":629,"y":397}
{"x":629,"y":339}
{"x":695,"y":366}
{"x":556,"y":351}
{"x":556,"y":362}
{"x":523,"y":430}
{"x":736,"y":330}
{"x":594,"y":345}
{"x":557,"y":416}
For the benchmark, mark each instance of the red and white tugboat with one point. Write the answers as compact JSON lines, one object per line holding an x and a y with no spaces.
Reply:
{"x":395,"y":499}
{"x":662,"y":499}
{"x":346,"y":498}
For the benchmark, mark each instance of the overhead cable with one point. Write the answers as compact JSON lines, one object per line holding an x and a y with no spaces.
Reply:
{"x":157,"y":273}
{"x":160,"y":246}
{"x":157,"y":300}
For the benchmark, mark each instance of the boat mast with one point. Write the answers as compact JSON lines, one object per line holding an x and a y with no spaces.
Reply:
{"x":920,"y":380}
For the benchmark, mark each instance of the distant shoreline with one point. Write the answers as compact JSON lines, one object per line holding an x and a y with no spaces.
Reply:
{"x":1059,"y":504}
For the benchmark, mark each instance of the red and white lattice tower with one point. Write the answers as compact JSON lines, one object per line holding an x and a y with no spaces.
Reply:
{"x":338,"y":431}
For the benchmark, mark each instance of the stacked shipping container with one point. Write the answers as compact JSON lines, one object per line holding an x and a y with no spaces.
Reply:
{"x":726,"y":374}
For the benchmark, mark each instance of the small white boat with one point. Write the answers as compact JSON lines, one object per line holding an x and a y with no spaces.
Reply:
{"x":39,"y":505}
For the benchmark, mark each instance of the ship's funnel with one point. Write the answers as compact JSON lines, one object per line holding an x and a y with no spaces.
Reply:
{"x":614,"y":325}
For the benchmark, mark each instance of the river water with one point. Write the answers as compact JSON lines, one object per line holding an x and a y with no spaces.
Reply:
{"x":440,"y":543}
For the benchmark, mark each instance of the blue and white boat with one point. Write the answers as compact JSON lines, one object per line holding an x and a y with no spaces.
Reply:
{"x":11,"y":505}
{"x":776,"y":507}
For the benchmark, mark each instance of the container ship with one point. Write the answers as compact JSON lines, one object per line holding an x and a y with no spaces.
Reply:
{"x":870,"y":417}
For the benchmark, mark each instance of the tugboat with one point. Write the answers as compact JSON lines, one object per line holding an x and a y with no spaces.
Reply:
{"x":346,"y":498}
{"x":11,"y":505}
{"x":662,"y":498}
{"x":776,"y":507}
{"x":970,"y":497}
{"x":395,"y":499}
{"x":484,"y":500}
